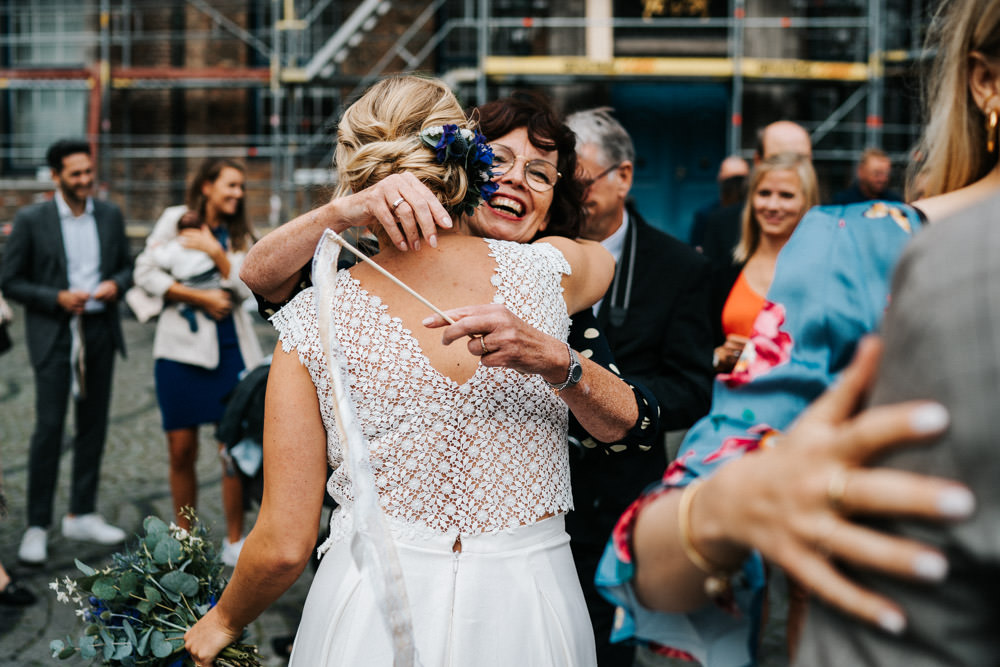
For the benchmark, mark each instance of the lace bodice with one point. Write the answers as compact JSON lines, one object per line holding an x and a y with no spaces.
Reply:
{"x":479,"y":457}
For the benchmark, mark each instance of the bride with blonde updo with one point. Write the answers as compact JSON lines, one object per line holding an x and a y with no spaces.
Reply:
{"x":468,"y":462}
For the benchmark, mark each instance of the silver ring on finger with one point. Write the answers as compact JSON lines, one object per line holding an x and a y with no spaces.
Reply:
{"x":396,"y":203}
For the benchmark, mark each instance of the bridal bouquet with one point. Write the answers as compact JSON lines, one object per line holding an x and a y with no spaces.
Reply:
{"x":137,"y":609}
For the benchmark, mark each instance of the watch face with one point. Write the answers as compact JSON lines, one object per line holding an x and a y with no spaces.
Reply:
{"x":575,"y":371}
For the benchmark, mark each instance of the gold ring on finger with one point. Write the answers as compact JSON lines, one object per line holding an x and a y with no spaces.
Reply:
{"x":482,"y":342}
{"x":835,"y":489}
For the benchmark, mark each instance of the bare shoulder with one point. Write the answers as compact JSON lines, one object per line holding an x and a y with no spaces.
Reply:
{"x":946,"y":205}
{"x":580,"y":250}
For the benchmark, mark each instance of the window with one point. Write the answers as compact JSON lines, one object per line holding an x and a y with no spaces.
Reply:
{"x":47,"y":34}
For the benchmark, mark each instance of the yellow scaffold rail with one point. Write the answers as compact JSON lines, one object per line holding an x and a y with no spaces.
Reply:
{"x":499,"y":67}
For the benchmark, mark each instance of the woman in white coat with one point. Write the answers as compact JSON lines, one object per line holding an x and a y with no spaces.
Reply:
{"x":204,"y":339}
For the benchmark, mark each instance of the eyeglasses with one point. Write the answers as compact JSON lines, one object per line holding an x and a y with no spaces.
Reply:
{"x":540,"y":175}
{"x":589,"y":182}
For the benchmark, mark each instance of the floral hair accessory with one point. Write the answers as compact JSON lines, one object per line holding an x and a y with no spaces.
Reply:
{"x":470,"y":150}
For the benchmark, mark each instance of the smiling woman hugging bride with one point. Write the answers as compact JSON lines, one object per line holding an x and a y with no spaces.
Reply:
{"x":469,"y":461}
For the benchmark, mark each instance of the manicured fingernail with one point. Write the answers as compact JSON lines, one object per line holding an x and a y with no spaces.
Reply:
{"x":402,"y":246}
{"x":416,"y":245}
{"x":956,"y":502}
{"x":930,"y":566}
{"x":446,"y":223}
{"x":929,"y":418}
{"x":891,"y":621}
{"x":433,"y":240}
{"x":428,"y":321}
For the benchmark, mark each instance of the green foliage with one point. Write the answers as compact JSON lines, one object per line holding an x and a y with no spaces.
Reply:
{"x":136,"y":611}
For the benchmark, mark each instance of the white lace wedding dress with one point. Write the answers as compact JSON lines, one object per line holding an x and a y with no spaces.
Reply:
{"x":483,"y":461}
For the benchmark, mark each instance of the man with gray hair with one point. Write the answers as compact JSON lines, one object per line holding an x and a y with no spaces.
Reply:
{"x":656,"y":318}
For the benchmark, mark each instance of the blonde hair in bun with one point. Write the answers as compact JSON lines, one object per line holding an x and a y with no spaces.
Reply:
{"x":377,"y":137}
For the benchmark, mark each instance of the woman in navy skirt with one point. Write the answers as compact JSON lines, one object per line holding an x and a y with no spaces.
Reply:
{"x":204,"y":338}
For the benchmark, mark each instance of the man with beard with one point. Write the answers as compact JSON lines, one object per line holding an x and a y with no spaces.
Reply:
{"x":67,"y":261}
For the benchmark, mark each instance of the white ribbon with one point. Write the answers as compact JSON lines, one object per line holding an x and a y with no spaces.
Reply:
{"x":372,"y":546}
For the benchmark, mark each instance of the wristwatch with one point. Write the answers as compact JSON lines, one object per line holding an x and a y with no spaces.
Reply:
{"x":573,"y":375}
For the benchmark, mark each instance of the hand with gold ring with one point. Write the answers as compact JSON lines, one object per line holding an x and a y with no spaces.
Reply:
{"x":407,"y":210}
{"x":795,"y":504}
{"x":513,"y":343}
{"x":277,"y":258}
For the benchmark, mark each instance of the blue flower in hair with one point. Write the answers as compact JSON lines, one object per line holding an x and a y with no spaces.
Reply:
{"x":470,"y":150}
{"x":448,"y":135}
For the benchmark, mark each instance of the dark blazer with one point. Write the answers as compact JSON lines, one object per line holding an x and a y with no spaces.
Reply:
{"x":662,"y":336}
{"x":33,"y":271}
{"x":722,"y":233}
{"x":853,"y":195}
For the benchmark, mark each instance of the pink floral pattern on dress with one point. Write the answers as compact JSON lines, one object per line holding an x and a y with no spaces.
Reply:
{"x":769,"y":347}
{"x":738,"y":445}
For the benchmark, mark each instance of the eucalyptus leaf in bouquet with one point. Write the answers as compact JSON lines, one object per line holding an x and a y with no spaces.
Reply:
{"x":136,"y":610}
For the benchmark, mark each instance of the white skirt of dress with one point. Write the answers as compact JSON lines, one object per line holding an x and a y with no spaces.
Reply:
{"x":506,"y":600}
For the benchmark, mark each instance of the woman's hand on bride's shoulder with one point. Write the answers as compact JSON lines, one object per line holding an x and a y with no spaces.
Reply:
{"x":500,"y":338}
{"x":799,"y":502}
{"x":405,"y":208}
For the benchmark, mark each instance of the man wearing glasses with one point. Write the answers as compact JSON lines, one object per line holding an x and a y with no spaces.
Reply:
{"x":655,"y":315}
{"x":656,"y":312}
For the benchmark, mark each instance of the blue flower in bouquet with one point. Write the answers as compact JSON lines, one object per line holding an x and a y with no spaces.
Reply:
{"x":137,"y":609}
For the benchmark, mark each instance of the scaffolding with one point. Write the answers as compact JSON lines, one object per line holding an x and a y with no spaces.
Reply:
{"x":156,"y":85}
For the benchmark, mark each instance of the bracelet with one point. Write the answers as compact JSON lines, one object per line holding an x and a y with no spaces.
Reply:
{"x":717,"y":583}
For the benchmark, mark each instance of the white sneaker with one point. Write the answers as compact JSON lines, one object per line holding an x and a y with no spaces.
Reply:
{"x":91,"y":528}
{"x":231,"y":551}
{"x":34,"y":546}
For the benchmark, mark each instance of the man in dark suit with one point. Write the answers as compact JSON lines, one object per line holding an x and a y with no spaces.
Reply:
{"x":67,"y":260}
{"x":656,"y":318}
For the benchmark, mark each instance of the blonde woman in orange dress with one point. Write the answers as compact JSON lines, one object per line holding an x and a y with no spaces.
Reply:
{"x":782,"y":188}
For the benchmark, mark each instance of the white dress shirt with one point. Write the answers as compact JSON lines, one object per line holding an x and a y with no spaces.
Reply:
{"x":615,"y":244}
{"x":83,"y":250}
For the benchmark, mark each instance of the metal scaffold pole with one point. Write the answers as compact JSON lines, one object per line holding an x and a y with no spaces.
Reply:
{"x":483,"y":29}
{"x":876,"y":70}
{"x":277,"y":102}
{"x":737,"y":15}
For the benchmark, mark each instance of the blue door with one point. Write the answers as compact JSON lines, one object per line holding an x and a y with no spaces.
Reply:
{"x":679,"y":131}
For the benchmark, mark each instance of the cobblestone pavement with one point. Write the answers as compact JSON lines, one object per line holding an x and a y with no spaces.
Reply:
{"x":133,"y":486}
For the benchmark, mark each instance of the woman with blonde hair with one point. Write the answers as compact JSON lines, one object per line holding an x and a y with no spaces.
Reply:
{"x":958,"y":164}
{"x":782,"y":188}
{"x":469,"y":461}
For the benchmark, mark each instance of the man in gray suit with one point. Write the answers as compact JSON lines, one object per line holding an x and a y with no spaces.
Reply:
{"x":67,"y":260}
{"x":942,"y":334}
